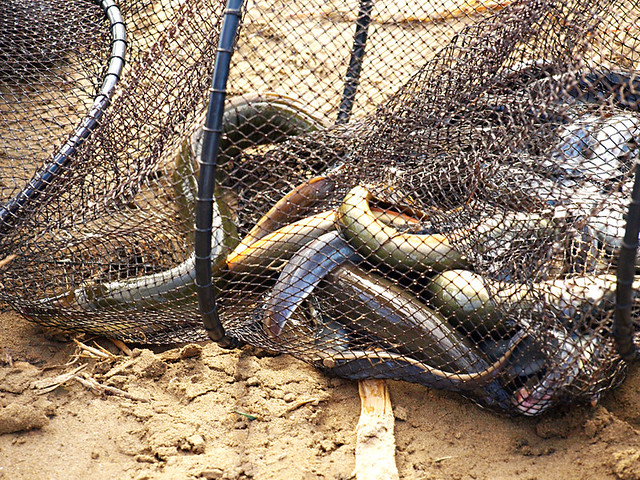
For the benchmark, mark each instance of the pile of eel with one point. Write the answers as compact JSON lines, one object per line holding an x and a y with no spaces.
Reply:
{"x":390,"y":296}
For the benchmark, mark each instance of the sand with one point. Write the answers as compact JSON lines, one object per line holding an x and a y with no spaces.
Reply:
{"x":204,"y":412}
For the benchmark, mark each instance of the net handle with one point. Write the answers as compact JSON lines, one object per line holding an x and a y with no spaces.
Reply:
{"x":352,"y":77}
{"x":210,"y":148}
{"x":623,"y":323}
{"x":212,"y":133}
{"x":45,"y":177}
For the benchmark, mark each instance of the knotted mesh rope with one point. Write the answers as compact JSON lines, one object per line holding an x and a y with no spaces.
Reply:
{"x":459,"y":227}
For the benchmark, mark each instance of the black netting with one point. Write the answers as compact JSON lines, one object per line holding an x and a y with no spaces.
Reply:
{"x":458,"y":226}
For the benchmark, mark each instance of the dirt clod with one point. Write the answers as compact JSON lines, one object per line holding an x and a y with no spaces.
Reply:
{"x":211,"y":474}
{"x":626,"y":464}
{"x":18,"y":418}
{"x":149,"y":365}
{"x":600,"y":419}
{"x":18,"y":377}
{"x":190,"y":351}
{"x":194,"y":444}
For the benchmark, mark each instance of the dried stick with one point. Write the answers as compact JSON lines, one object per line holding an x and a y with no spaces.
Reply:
{"x":47,"y":385}
{"x":99,"y":389}
{"x":92,"y":351}
{"x":121,"y":346}
{"x":375,"y":443}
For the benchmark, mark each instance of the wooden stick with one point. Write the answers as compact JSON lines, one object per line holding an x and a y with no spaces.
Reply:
{"x":47,"y":385}
{"x":375,"y":443}
{"x":121,"y":345}
{"x":99,"y":389}
{"x":92,"y":351}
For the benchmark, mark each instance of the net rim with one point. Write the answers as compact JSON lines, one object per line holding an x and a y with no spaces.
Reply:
{"x":46,"y":175}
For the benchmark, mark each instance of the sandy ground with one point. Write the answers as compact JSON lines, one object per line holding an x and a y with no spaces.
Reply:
{"x":187,"y":419}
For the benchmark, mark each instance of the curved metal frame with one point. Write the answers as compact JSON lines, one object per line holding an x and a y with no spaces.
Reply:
{"x":210,"y":148}
{"x":623,"y":323}
{"x":352,"y":78}
{"x":208,"y":160}
{"x":45,"y":177}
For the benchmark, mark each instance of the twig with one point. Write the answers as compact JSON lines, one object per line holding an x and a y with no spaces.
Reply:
{"x":95,"y":352}
{"x":121,"y":346}
{"x":300,"y":403}
{"x":119,"y":369}
{"x":103,"y":350}
{"x":73,"y":360}
{"x":99,"y":388}
{"x":442,"y":459}
{"x":47,"y":385}
{"x":446,"y":11}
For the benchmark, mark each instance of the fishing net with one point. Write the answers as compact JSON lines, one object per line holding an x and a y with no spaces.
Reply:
{"x":96,"y":100}
{"x":448,"y":210}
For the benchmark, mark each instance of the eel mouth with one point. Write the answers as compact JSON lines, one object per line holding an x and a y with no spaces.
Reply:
{"x":531,"y":403}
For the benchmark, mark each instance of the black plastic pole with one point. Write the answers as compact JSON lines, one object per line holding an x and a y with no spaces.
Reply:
{"x":42,"y":180}
{"x":204,"y":201}
{"x":352,"y":78}
{"x":623,"y":323}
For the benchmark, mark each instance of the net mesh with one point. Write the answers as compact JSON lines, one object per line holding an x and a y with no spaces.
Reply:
{"x":459,"y":228}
